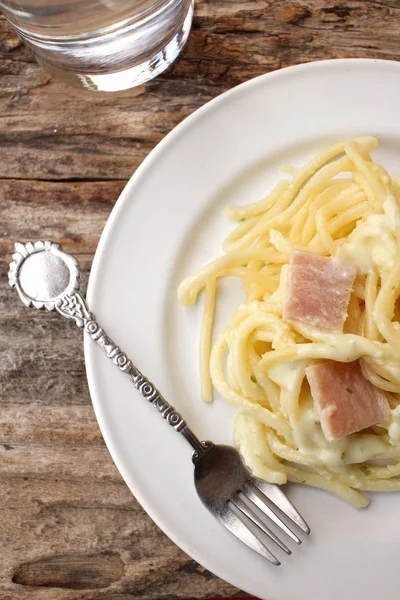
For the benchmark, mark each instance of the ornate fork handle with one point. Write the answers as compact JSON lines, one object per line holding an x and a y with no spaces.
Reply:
{"x":47,"y":277}
{"x":74,"y":307}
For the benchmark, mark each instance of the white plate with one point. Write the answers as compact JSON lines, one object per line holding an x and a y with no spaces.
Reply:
{"x":169,"y":222}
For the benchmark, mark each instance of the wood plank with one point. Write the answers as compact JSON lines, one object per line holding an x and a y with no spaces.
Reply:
{"x":48,"y":134}
{"x":67,"y":520}
{"x":36,"y":423}
{"x":72,"y":537}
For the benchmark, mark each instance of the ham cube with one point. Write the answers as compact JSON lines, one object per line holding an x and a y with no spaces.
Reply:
{"x":345,"y":400}
{"x":318,"y":290}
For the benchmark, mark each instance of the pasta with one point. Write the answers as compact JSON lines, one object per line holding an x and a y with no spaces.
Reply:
{"x":342,"y":205}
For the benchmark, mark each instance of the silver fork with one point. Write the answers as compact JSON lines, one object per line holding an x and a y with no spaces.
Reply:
{"x":47,"y":277}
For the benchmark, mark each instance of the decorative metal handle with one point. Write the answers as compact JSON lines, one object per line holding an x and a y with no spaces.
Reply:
{"x":58,"y":291}
{"x":75,"y":307}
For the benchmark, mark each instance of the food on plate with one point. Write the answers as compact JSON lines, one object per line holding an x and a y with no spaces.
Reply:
{"x":318,"y":290}
{"x":345,"y":401}
{"x":311,"y":357}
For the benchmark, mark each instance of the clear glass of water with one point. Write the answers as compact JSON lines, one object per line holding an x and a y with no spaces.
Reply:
{"x":104,"y":45}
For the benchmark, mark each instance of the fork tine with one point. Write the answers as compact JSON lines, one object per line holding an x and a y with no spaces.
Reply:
{"x":241,"y":531}
{"x":251,"y":495}
{"x":277,"y":497}
{"x":242,"y":506}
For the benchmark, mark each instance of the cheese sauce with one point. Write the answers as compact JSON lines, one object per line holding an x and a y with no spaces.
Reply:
{"x":373,"y":243}
{"x":308,"y":434}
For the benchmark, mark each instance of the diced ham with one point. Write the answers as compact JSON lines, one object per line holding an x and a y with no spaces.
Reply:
{"x":318,"y":290}
{"x":345,"y":400}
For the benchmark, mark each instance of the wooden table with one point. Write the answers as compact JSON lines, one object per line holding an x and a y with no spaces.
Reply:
{"x":69,"y":527}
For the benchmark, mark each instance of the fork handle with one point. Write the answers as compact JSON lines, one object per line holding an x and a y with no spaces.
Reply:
{"x":74,"y":307}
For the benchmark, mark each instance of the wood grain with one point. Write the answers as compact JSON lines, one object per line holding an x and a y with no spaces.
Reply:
{"x":69,"y":527}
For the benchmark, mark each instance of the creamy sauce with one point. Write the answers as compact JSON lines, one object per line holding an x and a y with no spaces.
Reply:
{"x":350,"y":349}
{"x":371,"y":244}
{"x":308,"y":434}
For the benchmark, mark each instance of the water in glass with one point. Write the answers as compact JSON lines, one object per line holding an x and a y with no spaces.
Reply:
{"x":105,"y":45}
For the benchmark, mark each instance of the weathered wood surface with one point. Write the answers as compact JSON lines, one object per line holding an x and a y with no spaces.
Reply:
{"x":69,"y":527}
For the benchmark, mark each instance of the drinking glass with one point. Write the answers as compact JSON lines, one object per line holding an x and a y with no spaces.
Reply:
{"x":104,"y":45}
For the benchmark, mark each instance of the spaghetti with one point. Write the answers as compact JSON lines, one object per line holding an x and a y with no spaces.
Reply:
{"x":343,"y":205}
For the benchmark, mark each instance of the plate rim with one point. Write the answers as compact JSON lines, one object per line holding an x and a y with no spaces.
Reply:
{"x":95,"y":273}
